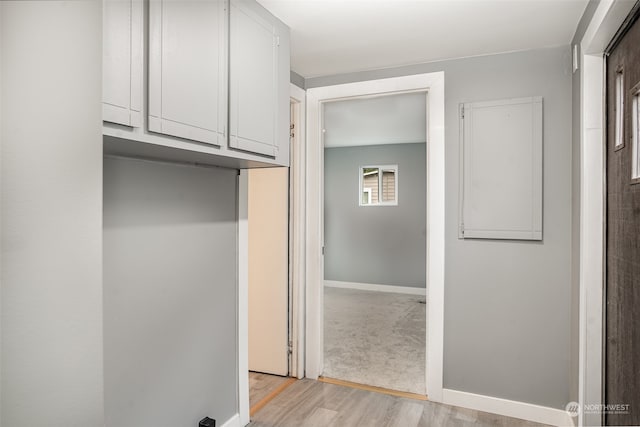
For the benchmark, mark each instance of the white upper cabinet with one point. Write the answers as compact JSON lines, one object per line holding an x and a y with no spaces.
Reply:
{"x":122,"y":62}
{"x":202,"y":81}
{"x":187,"y":69}
{"x":259,"y":68}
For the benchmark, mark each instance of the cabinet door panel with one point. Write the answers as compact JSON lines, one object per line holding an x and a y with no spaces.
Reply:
{"x":187,"y":96}
{"x":253,"y":82}
{"x":122,"y":62}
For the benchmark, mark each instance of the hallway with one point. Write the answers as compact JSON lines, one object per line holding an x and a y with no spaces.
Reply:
{"x":308,"y":403}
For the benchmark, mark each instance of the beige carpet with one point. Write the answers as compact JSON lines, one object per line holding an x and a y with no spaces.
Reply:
{"x":375,"y":338}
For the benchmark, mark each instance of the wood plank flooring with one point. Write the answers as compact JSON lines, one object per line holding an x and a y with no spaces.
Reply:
{"x":308,"y":403}
{"x":262,"y":385}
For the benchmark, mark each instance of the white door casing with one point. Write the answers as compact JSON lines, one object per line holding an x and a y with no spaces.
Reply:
{"x":608,"y":17}
{"x":297,"y":229}
{"x":298,"y":332}
{"x":433,"y":84}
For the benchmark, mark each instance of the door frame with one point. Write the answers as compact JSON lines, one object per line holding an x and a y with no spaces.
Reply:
{"x":433,"y":85}
{"x":608,"y":17}
{"x":297,"y":226}
{"x":296,"y":303}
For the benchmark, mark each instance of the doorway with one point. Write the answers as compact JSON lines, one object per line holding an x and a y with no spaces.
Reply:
{"x":433,"y":85}
{"x":375,"y":241}
{"x":271,"y":310}
{"x":622,"y":239}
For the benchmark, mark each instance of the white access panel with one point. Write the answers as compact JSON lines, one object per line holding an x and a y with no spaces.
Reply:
{"x":187,"y":69}
{"x":122,"y":62}
{"x":253,"y":89}
{"x":501,"y":168}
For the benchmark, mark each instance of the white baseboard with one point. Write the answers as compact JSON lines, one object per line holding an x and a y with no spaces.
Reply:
{"x":233,"y":422}
{"x":376,"y":288}
{"x":508,"y":408}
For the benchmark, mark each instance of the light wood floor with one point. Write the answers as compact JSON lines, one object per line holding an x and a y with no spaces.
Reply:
{"x":311,"y":403}
{"x":262,"y":385}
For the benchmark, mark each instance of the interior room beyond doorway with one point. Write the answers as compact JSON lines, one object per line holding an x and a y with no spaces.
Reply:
{"x":375,"y":241}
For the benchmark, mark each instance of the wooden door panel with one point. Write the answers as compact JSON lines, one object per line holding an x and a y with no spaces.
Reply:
{"x":268,"y":208}
{"x":622,"y":331}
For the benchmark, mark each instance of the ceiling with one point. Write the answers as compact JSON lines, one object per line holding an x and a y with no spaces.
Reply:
{"x":339,"y":36}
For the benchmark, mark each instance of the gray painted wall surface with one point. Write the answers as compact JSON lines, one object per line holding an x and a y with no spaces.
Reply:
{"x":391,"y":119}
{"x":51,"y":190}
{"x":507,"y":303}
{"x":170,"y":340}
{"x":383,"y":245}
{"x":296,"y":79}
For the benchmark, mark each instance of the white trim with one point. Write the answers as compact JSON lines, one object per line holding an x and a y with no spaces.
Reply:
{"x":234,"y":421}
{"x":375,"y":288}
{"x":508,"y":408}
{"x":635,"y":138}
{"x":298,"y":170}
{"x":606,"y":20}
{"x":433,"y":85}
{"x":243,"y":299}
{"x":298,"y":219}
{"x":591,"y":238}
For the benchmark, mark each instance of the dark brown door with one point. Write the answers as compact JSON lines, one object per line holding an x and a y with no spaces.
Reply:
{"x":622,"y":343}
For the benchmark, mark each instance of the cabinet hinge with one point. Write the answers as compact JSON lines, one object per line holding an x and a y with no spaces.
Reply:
{"x":462,"y":112}
{"x":462,"y":229}
{"x":290,"y":347}
{"x":277,"y":40}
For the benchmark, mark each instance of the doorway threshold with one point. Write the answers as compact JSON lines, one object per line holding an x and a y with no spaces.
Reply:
{"x":372,"y":388}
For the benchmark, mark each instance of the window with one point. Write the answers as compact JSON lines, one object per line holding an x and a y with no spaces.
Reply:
{"x":378,"y":185}
{"x":619,"y":106}
{"x":635,"y":138}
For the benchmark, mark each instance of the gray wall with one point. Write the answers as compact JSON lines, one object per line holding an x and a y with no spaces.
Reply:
{"x":507,"y":303}
{"x":390,"y":119}
{"x":384,"y":245}
{"x":296,"y":79}
{"x":51,"y":190}
{"x":170,"y":328}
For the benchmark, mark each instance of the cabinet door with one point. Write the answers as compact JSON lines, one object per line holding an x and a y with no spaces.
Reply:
{"x":253,"y":89}
{"x":122,"y":62}
{"x":187,"y":78}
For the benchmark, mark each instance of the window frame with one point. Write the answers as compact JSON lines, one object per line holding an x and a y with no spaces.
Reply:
{"x":362,"y":188}
{"x":635,"y":134}
{"x":619,"y":101}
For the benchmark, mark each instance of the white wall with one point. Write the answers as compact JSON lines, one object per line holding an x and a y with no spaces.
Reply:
{"x":575,"y":207}
{"x":170,"y":311}
{"x":507,"y":303}
{"x":51,"y":189}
